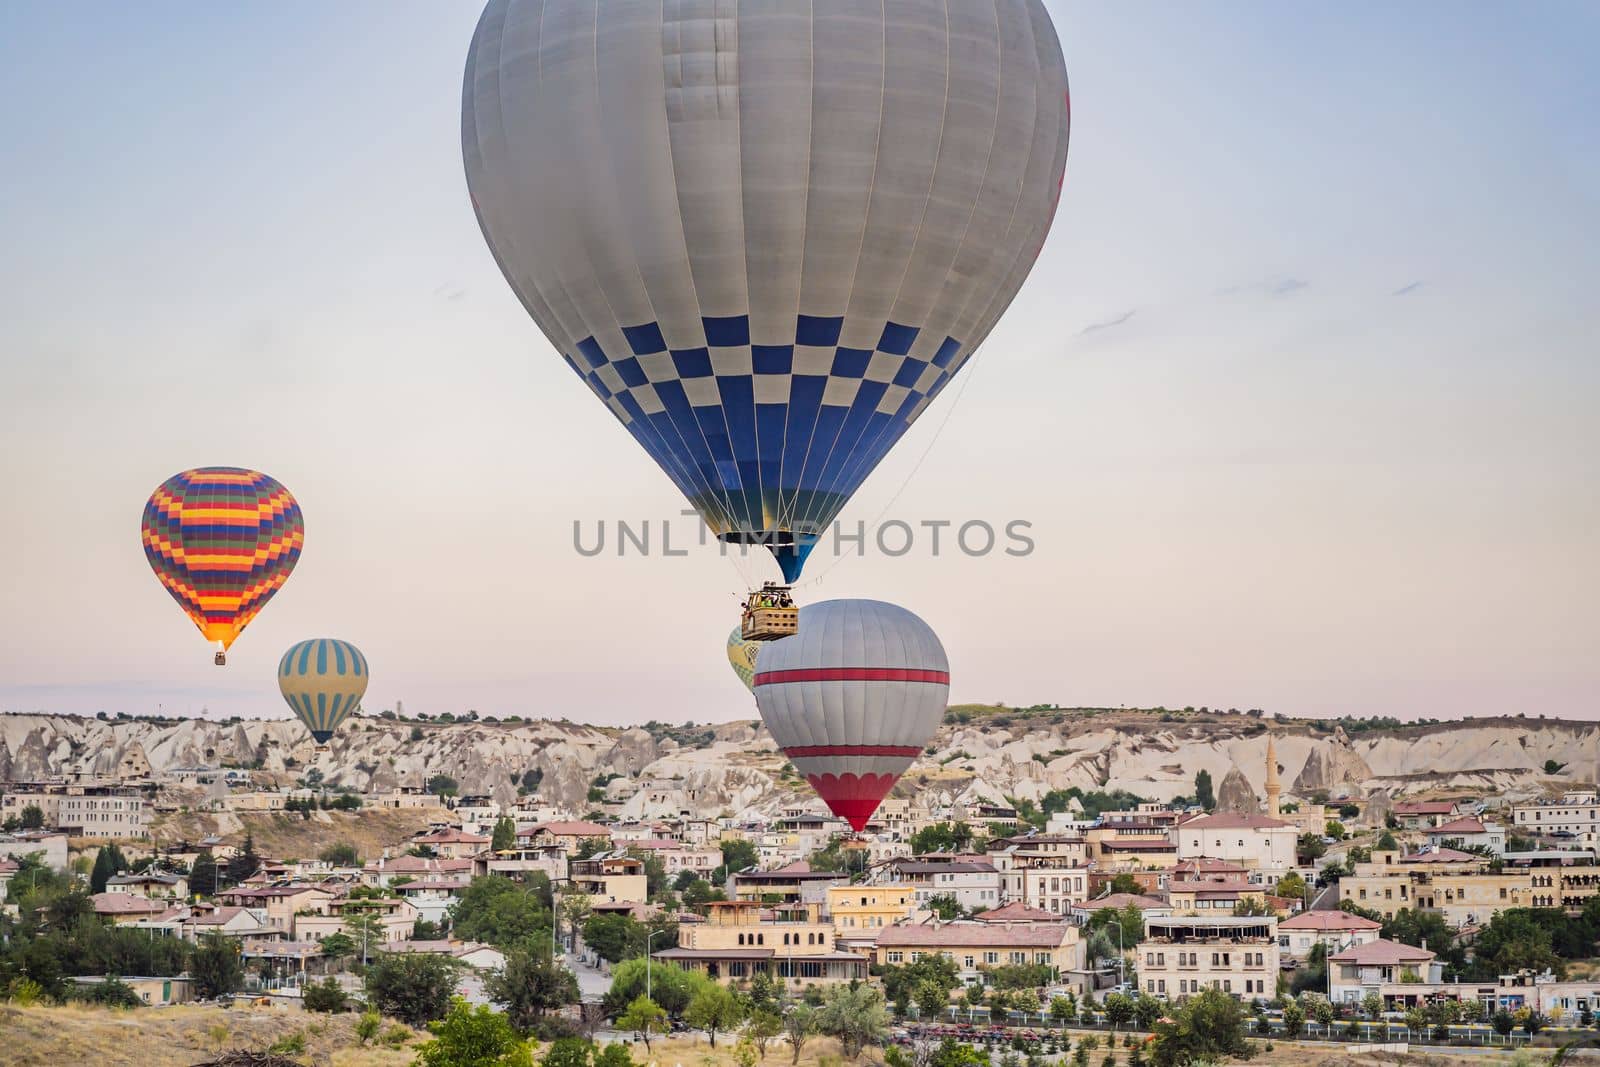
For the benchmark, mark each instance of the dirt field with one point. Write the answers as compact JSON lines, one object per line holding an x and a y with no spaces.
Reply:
{"x":292,"y":837}
{"x":175,"y":1037}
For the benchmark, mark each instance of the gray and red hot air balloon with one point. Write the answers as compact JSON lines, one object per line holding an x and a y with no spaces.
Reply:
{"x":853,"y":698}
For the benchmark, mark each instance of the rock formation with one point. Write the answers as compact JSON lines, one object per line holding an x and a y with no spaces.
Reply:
{"x":1236,"y":794}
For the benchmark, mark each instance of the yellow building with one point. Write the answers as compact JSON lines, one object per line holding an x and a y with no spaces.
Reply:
{"x":794,"y":944}
{"x":859,"y":912}
{"x":1210,"y":897}
{"x":979,"y":946}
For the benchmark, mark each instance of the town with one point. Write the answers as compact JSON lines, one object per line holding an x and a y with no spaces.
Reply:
{"x":1449,"y":920}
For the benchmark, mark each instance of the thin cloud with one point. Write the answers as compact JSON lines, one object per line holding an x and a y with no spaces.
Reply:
{"x":1285,"y":286}
{"x":1404,"y":289}
{"x":1281,"y":286}
{"x":1108,"y":324}
{"x":450,"y":292}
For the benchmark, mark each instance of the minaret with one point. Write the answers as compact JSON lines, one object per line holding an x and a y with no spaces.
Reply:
{"x":1274,"y":788}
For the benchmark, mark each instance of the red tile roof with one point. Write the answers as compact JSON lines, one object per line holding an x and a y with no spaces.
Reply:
{"x":1458,"y":826}
{"x":1382,"y":953}
{"x":968,"y":934}
{"x":1017,"y":911}
{"x":1325,"y":921}
{"x":1441,"y":855}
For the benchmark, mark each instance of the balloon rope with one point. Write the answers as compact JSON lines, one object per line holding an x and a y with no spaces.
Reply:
{"x":910,"y":474}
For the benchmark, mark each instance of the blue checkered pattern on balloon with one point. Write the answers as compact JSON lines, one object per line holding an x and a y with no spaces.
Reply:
{"x":768,"y":441}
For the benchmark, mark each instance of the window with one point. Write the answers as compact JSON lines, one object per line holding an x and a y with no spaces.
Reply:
{"x":895,"y":957}
{"x":969,"y":962}
{"x":1161,"y":985}
{"x":991,"y":957}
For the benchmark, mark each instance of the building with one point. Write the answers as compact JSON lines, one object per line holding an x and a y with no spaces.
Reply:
{"x":153,"y":991}
{"x":1390,"y":969}
{"x":121,"y":908}
{"x":860,"y":912}
{"x":979,"y":946}
{"x":1264,"y":846}
{"x":452,"y":844}
{"x":396,"y":918}
{"x":792,"y":883}
{"x":49,"y":846}
{"x":1424,"y":814}
{"x":433,"y":897}
{"x":103,"y":812}
{"x":679,"y":856}
{"x":1469,"y":832}
{"x":1150,"y":907}
{"x":1184,"y":954}
{"x":974,"y":883}
{"x":1575,"y":817}
{"x":570,"y":835}
{"x":280,"y":904}
{"x":792,"y":943}
{"x":1211,"y":895}
{"x":1335,"y":930}
{"x":157,"y":885}
{"x":611,"y":878}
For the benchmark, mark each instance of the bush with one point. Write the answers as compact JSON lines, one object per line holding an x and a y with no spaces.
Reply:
{"x":412,"y":987}
{"x":324,"y":996}
{"x":473,"y":1037}
{"x":289,"y":1045}
{"x":367,"y":1026}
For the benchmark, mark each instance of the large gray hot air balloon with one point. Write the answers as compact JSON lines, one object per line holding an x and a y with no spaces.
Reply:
{"x":766,"y":233}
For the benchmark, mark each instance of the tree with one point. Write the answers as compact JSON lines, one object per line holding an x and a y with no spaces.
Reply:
{"x":246,"y":863}
{"x":614,"y":937}
{"x":615,"y":1054}
{"x":325,"y":996}
{"x":1125,"y":882}
{"x":530,"y":986}
{"x":504,"y":836}
{"x":737,"y":854}
{"x":1252,"y":906}
{"x":32,"y":817}
{"x":932,"y":998}
{"x":1503,"y":1022}
{"x":1372,"y":1005}
{"x":1309,"y":848}
{"x":800,"y":1025}
{"x":338,"y":945}
{"x":1387,"y":843}
{"x":764,"y":1025}
{"x":855,"y":1015}
{"x":498,"y":911}
{"x":568,"y":1052}
{"x":442,"y":785}
{"x":1335,"y":829}
{"x":1294,"y":1018}
{"x":365,"y":931}
{"x":711,"y":1009}
{"x":1118,"y":1009}
{"x":108,"y":862}
{"x":1208,"y":1026}
{"x":1292,"y":886}
{"x":342,"y":854}
{"x":1146,"y":1010}
{"x":643,"y":1017}
{"x":946,"y":906}
{"x":670,"y":987}
{"x":1204,"y":795}
{"x":1064,"y":1010}
{"x":414,"y":987}
{"x":473,"y":1037}
{"x":215,"y":966}
{"x":942,"y":837}
{"x":763,"y":993}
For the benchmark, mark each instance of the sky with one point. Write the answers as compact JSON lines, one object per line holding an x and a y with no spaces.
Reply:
{"x":1298,"y":402}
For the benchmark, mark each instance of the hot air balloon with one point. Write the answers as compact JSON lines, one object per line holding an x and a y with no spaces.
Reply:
{"x":742,"y":657}
{"x":766,"y":235}
{"x":852,"y":699}
{"x":323,"y":680}
{"x":222,"y":540}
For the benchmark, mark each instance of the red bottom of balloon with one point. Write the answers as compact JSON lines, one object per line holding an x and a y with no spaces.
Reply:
{"x":853,"y":797}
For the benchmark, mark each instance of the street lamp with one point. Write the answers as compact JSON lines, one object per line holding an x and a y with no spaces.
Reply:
{"x":647,"y":942}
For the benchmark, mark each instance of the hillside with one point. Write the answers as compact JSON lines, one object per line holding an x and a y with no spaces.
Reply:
{"x":980,"y":752}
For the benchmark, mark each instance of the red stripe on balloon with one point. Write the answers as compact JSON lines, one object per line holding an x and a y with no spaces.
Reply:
{"x":852,"y":750}
{"x":852,"y":674}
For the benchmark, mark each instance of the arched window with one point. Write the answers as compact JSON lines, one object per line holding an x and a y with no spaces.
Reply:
{"x":811,"y":939}
{"x":741,"y":939}
{"x":761,"y":939}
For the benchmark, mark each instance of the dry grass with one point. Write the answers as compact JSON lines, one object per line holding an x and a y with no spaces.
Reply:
{"x":289,"y":836}
{"x":176,"y":1037}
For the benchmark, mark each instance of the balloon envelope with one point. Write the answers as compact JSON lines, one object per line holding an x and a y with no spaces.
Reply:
{"x":853,"y":698}
{"x":766,"y":235}
{"x":222,"y":540}
{"x":322,"y":680}
{"x":742,"y":657}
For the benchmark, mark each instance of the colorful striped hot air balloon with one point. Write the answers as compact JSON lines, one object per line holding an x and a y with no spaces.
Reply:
{"x":222,"y":540}
{"x":766,"y":235}
{"x":323,"y":681}
{"x":852,"y":699}
{"x":742,"y":658}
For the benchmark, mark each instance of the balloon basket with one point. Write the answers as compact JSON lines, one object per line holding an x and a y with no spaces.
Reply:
{"x":220,"y":659}
{"x":769,"y":614}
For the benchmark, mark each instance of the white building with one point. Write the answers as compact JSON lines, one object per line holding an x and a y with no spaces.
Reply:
{"x":1382,"y":967}
{"x":1181,"y":955}
{"x":104,"y":813}
{"x":1576,"y":816}
{"x":973,"y":883}
{"x":1469,"y":832}
{"x":1264,"y":846}
{"x":1335,"y":930}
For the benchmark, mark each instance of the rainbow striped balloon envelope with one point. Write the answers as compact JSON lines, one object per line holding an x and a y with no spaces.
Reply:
{"x":222,"y":540}
{"x":323,"y":681}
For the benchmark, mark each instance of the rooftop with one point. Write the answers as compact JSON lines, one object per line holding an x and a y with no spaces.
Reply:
{"x":1459,"y":826}
{"x":1382,"y":953}
{"x":1227,"y":820}
{"x":1328,"y":921}
{"x":1002,"y":935}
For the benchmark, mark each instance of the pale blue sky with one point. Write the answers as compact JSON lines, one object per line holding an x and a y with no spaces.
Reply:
{"x":1341,"y":456}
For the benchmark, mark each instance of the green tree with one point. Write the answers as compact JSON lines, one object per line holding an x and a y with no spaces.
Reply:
{"x":473,"y":1037}
{"x":669,"y":986}
{"x":1118,"y":1009}
{"x":932,"y":998}
{"x":763,"y":993}
{"x":414,"y":987}
{"x":1372,"y":1005}
{"x":500,"y":912}
{"x":1294,"y":1018}
{"x":338,"y":946}
{"x":855,"y":1015}
{"x":764,"y":1025}
{"x":643,"y":1017}
{"x":325,"y":996}
{"x":342,"y":854}
{"x":203,"y":875}
{"x":1292,"y":886}
{"x":1204,"y":795}
{"x":246,"y":862}
{"x":1124,"y":882}
{"x":1309,"y":848}
{"x":713,"y":1009}
{"x":942,"y":837}
{"x":530,"y":986}
{"x":442,"y":785}
{"x":946,"y":907}
{"x":1387,"y":843}
{"x":800,"y":1025}
{"x":568,"y":1052}
{"x":215,"y":966}
{"x":614,"y":937}
{"x":1208,"y":1026}
{"x":615,"y":1054}
{"x":31,"y":817}
{"x":1146,"y":1010}
{"x":737,"y":854}
{"x":504,"y":836}
{"x":1064,"y":1010}
{"x":1503,"y":1022}
{"x":365,"y":931}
